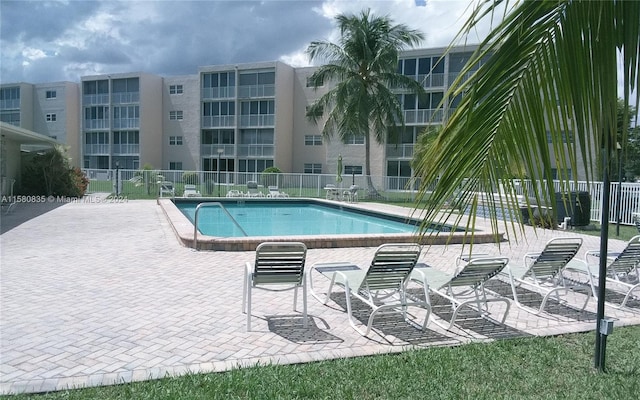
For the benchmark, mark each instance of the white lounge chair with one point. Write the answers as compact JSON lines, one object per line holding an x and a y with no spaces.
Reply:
{"x":191,"y":191}
{"x":623,"y":269}
{"x":382,"y":286}
{"x":235,"y":193}
{"x":543,"y":271}
{"x":275,"y":192}
{"x":278,"y":266}
{"x":167,"y":188}
{"x":465,"y":288}
{"x":252,"y":189}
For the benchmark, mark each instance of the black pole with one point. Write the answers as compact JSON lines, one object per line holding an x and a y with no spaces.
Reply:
{"x":117,"y":177}
{"x":601,"y":338}
{"x":619,"y":194}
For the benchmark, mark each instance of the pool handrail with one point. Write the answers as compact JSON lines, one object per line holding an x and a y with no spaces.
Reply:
{"x":211,"y":204}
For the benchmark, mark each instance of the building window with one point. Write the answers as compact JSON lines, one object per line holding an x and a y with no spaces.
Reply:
{"x":312,"y":168}
{"x":354,"y":139}
{"x":175,"y":165}
{"x":51,"y":94}
{"x":314,"y":83}
{"x":51,"y":117}
{"x":175,"y":140}
{"x":176,"y":89}
{"x":353,"y":169}
{"x":175,"y":115}
{"x":313,"y":140}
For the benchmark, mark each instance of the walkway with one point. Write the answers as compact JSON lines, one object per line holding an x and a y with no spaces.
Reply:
{"x":97,"y":293}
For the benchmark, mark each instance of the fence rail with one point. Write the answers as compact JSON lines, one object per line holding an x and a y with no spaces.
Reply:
{"x":625,"y":197}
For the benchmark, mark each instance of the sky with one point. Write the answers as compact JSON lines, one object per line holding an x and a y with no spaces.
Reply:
{"x":51,"y":41}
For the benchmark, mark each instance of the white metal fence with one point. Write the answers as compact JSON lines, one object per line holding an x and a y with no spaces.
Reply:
{"x":625,"y":197}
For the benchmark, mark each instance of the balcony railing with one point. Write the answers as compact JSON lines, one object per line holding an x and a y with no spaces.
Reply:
{"x":126,"y":149}
{"x":224,"y":92}
{"x":207,"y":150}
{"x":257,"y":120}
{"x":10,"y":104}
{"x":126,"y":123}
{"x":256,"y":91}
{"x":96,"y":149}
{"x":93,"y":99}
{"x":219,"y":120}
{"x":400,"y":151}
{"x":431,"y":80}
{"x":256,"y":150}
{"x":422,"y":116}
{"x":90,"y":124}
{"x":125,"y":97}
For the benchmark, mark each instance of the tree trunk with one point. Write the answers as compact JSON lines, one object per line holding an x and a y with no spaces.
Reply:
{"x":372,"y":193}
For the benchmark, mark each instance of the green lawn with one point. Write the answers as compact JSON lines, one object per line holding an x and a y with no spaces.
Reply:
{"x":558,"y":367}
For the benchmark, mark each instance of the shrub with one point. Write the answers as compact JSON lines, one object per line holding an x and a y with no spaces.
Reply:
{"x":51,"y":174}
{"x":190,"y":178}
{"x":269,"y":176}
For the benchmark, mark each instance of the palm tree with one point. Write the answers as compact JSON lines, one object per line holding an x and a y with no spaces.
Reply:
{"x":549,"y":68}
{"x":363,"y":66}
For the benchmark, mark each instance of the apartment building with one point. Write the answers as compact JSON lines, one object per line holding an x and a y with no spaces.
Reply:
{"x":236,"y":117}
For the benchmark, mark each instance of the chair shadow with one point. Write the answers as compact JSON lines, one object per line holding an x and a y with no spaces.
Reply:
{"x":468,"y":319}
{"x":534,"y":300}
{"x":393,"y":325}
{"x":290,"y":327}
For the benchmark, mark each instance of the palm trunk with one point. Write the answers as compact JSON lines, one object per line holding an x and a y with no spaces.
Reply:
{"x":372,"y":193}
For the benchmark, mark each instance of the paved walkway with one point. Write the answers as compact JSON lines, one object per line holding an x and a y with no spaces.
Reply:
{"x":97,"y":293}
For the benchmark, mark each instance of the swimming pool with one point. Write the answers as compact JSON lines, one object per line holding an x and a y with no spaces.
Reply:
{"x":184,"y":229}
{"x":299,"y":218}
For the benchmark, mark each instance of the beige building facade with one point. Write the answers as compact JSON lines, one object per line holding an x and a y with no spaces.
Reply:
{"x":231,"y":118}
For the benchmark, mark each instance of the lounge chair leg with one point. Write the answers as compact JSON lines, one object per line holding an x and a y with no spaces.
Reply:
{"x":304,"y":303}
{"x":249,"y":309}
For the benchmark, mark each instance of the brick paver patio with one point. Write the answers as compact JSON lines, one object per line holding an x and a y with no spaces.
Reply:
{"x":97,"y":293}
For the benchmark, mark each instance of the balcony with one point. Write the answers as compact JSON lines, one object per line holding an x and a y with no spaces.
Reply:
{"x":256,"y":150}
{"x":126,"y":149}
{"x":256,"y":91}
{"x":126,"y":123}
{"x":218,"y":121}
{"x":207,"y":150}
{"x":422,"y":116}
{"x":225,"y":92}
{"x":93,"y":99}
{"x":125,"y":97}
{"x":10,"y":104}
{"x":257,"y":120}
{"x":431,"y":80}
{"x":91,"y":124}
{"x":96,"y":149}
{"x":404,"y":151}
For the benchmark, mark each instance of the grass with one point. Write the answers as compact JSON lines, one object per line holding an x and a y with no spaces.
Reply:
{"x":626,"y":231}
{"x":558,"y":367}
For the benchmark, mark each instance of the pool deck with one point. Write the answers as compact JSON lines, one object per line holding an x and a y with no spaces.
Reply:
{"x":99,"y":293}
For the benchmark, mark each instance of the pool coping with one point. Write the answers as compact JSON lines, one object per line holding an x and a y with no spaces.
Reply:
{"x":183,"y":229}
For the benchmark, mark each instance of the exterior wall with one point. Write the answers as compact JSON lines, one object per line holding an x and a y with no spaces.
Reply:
{"x":65,"y":106}
{"x":302,"y":97}
{"x":189,"y":128}
{"x":283,"y":135}
{"x":151,"y":120}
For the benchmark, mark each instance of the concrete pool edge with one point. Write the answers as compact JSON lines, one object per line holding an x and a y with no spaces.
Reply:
{"x":183,"y":229}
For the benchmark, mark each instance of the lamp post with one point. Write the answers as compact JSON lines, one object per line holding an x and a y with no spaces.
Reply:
{"x":220,"y":151}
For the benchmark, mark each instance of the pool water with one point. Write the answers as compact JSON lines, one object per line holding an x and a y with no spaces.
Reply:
{"x":286,"y":219}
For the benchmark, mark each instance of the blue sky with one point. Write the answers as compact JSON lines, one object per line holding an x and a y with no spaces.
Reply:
{"x":50,"y":41}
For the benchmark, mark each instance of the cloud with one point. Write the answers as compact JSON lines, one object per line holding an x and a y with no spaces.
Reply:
{"x":70,"y":39}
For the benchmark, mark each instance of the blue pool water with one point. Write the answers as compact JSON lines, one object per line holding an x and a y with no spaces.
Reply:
{"x":290,"y":218}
